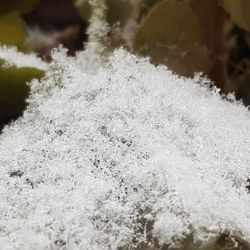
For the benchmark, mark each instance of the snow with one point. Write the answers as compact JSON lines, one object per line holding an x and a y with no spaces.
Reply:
{"x":109,"y":156}
{"x":19,"y":59}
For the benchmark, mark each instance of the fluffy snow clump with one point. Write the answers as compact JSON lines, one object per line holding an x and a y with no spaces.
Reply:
{"x":124,"y":155}
{"x":19,"y":59}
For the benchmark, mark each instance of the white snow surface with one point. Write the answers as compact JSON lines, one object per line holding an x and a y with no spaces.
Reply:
{"x":19,"y":59}
{"x":103,"y":151}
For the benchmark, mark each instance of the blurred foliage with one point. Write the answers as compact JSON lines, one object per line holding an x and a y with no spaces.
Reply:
{"x":83,"y":8}
{"x":13,"y":87}
{"x":239,"y":11}
{"x":191,"y":41}
{"x":14,"y":90}
{"x":211,"y":20}
{"x":180,"y":46}
{"x":20,"y":6}
{"x":12,"y":28}
{"x":12,"y":31}
{"x":239,"y":64}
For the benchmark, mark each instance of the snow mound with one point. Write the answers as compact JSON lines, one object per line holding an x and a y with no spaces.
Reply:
{"x":124,"y":155}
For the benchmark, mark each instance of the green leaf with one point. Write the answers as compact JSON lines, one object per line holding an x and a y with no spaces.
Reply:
{"x":14,"y":90}
{"x":12,"y":31}
{"x":171,"y":34}
{"x":21,"y":6}
{"x":239,"y":11}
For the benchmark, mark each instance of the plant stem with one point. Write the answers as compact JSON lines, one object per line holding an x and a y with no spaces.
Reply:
{"x":98,"y":28}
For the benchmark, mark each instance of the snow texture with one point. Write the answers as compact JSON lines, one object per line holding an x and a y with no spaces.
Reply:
{"x":18,"y":59}
{"x":109,"y":156}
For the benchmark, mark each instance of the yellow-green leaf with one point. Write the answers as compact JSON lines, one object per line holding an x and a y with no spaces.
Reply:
{"x":12,"y":31}
{"x":22,"y":6}
{"x":171,"y":35}
{"x":239,"y":11}
{"x":14,"y":90}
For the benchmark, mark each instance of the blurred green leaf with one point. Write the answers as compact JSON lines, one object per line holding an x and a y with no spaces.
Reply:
{"x":21,"y":6}
{"x":14,"y":90}
{"x":239,"y":11}
{"x":12,"y":31}
{"x":171,"y":34}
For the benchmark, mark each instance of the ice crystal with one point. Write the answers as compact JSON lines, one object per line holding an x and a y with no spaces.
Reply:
{"x":121,"y":155}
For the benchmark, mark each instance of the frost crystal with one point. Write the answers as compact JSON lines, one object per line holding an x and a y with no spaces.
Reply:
{"x":124,"y":155}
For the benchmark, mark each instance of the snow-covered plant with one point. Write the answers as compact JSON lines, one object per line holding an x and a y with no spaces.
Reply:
{"x":124,"y":156}
{"x":98,"y":27}
{"x":119,"y":154}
